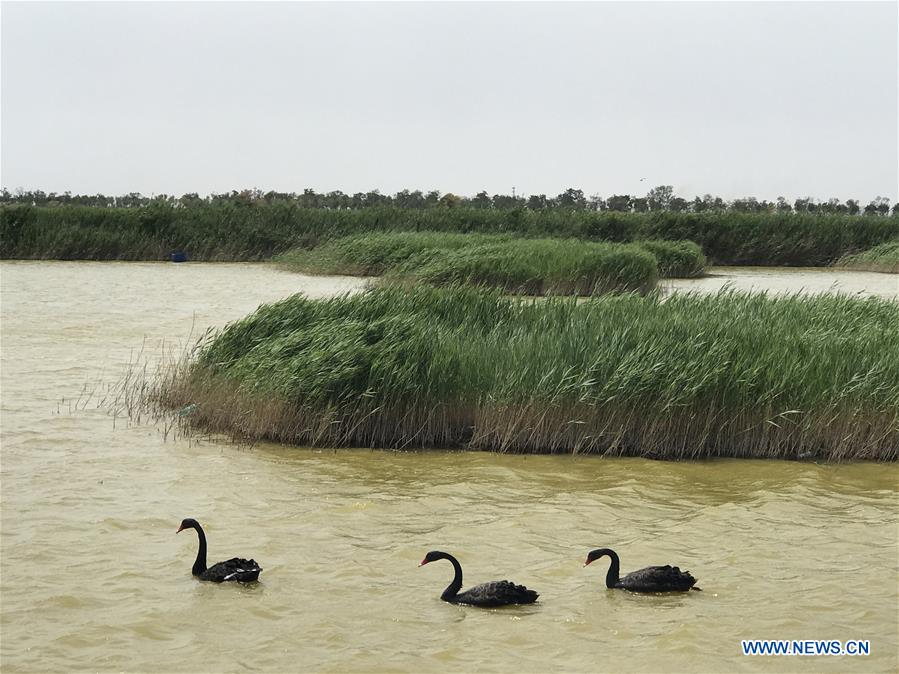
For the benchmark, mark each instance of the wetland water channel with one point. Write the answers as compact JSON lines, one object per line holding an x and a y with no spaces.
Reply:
{"x":94,"y":577}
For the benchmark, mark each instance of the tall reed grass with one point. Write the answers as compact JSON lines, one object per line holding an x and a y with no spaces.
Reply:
{"x":676,"y":259}
{"x":531,"y":266}
{"x":882,"y":258}
{"x":540,"y":267}
{"x":257,"y":232}
{"x":376,"y":253}
{"x":683,"y":377}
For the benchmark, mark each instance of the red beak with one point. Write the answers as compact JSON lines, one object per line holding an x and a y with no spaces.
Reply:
{"x":180,"y":529}
{"x":587,"y":562}
{"x":423,"y":562}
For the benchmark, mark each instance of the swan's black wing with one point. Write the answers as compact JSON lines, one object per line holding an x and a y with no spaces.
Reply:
{"x":657,"y":579}
{"x":496,"y":593}
{"x":243,"y":570}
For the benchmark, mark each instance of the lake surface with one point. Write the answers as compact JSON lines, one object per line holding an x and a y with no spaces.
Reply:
{"x":779,"y":280}
{"x":94,"y":577}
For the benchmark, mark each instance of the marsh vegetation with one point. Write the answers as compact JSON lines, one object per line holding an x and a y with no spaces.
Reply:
{"x":242,"y":230}
{"x":530,"y":266}
{"x":688,"y":376}
{"x":882,"y":258}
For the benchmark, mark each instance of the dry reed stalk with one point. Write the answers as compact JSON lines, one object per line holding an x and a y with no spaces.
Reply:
{"x":223,"y":409}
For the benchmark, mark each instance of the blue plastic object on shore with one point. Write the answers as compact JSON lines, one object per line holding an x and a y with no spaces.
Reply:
{"x":179,"y":256}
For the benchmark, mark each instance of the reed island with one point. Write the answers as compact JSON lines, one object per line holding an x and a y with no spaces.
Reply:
{"x":680,"y":377}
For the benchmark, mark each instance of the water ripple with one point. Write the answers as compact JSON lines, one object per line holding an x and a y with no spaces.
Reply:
{"x":94,"y":577}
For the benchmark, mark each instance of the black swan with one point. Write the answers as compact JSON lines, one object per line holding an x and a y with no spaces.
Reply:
{"x":496,"y":593}
{"x":243,"y":570}
{"x":650,"y":579}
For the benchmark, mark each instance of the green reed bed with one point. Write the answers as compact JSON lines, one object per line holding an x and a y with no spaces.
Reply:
{"x":685,"y":377}
{"x":257,"y":231}
{"x":532,"y":266}
{"x":539,"y":267}
{"x":676,"y":259}
{"x":377,"y":253}
{"x":883,"y":258}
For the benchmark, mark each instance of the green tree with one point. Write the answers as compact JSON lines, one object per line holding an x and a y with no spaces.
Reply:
{"x":878,"y":206}
{"x":619,"y":202}
{"x":538,"y":202}
{"x":481,"y":200}
{"x":505,"y":201}
{"x":659,"y":198}
{"x":572,"y":199}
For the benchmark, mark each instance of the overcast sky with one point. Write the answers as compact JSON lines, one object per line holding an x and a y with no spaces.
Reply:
{"x":735,"y":99}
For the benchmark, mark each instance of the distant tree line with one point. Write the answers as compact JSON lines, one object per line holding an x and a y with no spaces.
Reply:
{"x":661,"y":198}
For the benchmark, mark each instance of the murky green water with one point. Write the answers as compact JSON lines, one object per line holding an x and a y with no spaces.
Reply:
{"x":94,"y":577}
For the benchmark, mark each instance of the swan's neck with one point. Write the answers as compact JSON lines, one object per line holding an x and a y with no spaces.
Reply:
{"x":453,"y":588}
{"x":612,"y":575}
{"x":200,"y":564}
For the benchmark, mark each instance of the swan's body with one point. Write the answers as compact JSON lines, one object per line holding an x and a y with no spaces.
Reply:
{"x":495,"y":593}
{"x":651,"y":579}
{"x":236,"y":568}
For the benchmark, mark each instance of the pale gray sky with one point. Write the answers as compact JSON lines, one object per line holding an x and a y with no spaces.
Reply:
{"x":736,"y":99}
